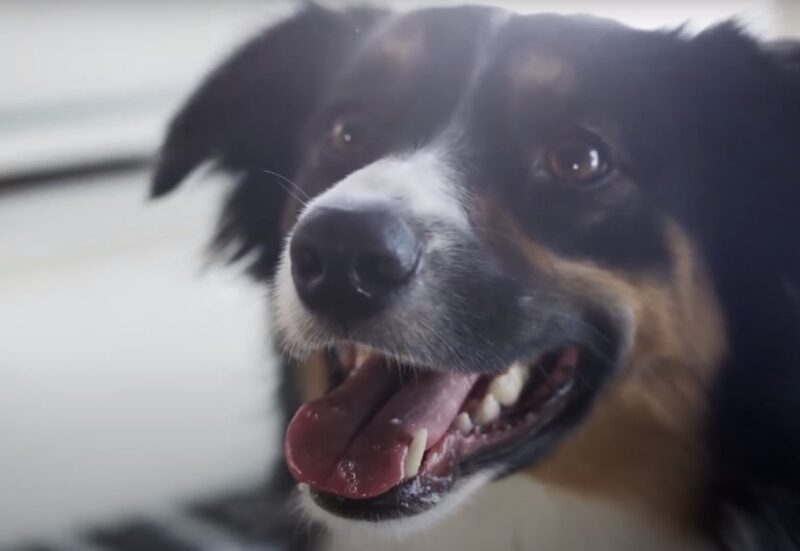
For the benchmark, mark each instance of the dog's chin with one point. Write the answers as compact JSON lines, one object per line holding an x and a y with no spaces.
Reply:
{"x":378,"y":477}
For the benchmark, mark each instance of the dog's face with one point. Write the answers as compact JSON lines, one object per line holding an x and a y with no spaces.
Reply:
{"x":487,"y":239}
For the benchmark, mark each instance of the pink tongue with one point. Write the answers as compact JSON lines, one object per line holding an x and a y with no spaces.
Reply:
{"x":354,"y":441}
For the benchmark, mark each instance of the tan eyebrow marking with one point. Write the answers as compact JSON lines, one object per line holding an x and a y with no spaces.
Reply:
{"x":402,"y":48}
{"x":539,"y":70}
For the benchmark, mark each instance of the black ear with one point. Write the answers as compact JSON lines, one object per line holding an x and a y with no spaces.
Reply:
{"x":247,"y":117}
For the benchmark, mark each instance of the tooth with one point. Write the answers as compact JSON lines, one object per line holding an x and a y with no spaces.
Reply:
{"x":415,"y":452}
{"x":488,"y":410}
{"x":464,"y":423}
{"x":507,"y":386}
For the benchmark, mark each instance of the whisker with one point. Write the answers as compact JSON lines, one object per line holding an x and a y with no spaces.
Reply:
{"x":304,"y":199}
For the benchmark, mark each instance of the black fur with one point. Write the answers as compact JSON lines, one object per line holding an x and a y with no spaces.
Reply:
{"x":712,"y":124}
{"x":749,"y":229}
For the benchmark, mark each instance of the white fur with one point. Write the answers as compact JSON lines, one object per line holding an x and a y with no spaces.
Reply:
{"x":513,"y":514}
{"x":422,"y":183}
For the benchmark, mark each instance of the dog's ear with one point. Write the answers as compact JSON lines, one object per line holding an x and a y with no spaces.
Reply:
{"x":247,"y":117}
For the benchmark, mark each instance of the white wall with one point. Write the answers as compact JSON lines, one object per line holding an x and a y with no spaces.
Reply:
{"x":787,"y":18}
{"x":90,"y":79}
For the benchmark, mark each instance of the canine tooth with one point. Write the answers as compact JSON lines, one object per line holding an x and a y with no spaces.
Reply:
{"x":488,"y":410}
{"x":415,"y":453}
{"x":507,"y":386}
{"x":464,"y":423}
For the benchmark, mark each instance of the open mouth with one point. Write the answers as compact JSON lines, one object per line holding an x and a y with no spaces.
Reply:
{"x":391,"y":440}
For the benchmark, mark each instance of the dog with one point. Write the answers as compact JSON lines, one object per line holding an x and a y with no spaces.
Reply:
{"x":534,"y":278}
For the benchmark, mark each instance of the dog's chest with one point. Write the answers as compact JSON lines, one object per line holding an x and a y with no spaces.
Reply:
{"x":520,"y":514}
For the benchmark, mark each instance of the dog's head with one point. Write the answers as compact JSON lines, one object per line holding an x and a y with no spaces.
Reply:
{"x":497,"y":242}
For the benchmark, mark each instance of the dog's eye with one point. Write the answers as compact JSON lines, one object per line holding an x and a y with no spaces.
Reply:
{"x":348,"y":135}
{"x":579,"y":159}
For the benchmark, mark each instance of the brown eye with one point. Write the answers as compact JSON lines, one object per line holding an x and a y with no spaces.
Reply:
{"x":579,"y":160}
{"x":348,"y":135}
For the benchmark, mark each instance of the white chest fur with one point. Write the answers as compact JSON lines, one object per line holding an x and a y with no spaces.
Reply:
{"x":514,"y":514}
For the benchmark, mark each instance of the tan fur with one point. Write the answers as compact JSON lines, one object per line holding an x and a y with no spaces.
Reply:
{"x":536,"y":71}
{"x":402,"y":48}
{"x":641,"y":443}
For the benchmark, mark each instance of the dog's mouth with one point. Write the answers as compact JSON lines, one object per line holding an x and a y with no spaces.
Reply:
{"x":391,"y":440}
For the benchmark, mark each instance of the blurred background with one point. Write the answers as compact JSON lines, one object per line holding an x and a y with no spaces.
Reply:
{"x":135,"y":378}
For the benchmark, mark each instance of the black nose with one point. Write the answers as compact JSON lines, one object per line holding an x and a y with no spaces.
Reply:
{"x":348,"y":262}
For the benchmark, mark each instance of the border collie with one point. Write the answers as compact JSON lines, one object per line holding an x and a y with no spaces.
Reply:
{"x":535,"y":278}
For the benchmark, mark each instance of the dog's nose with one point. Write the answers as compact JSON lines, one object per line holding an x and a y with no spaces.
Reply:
{"x":348,"y":262}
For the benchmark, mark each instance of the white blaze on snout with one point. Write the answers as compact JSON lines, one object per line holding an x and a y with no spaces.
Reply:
{"x":423,"y":186}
